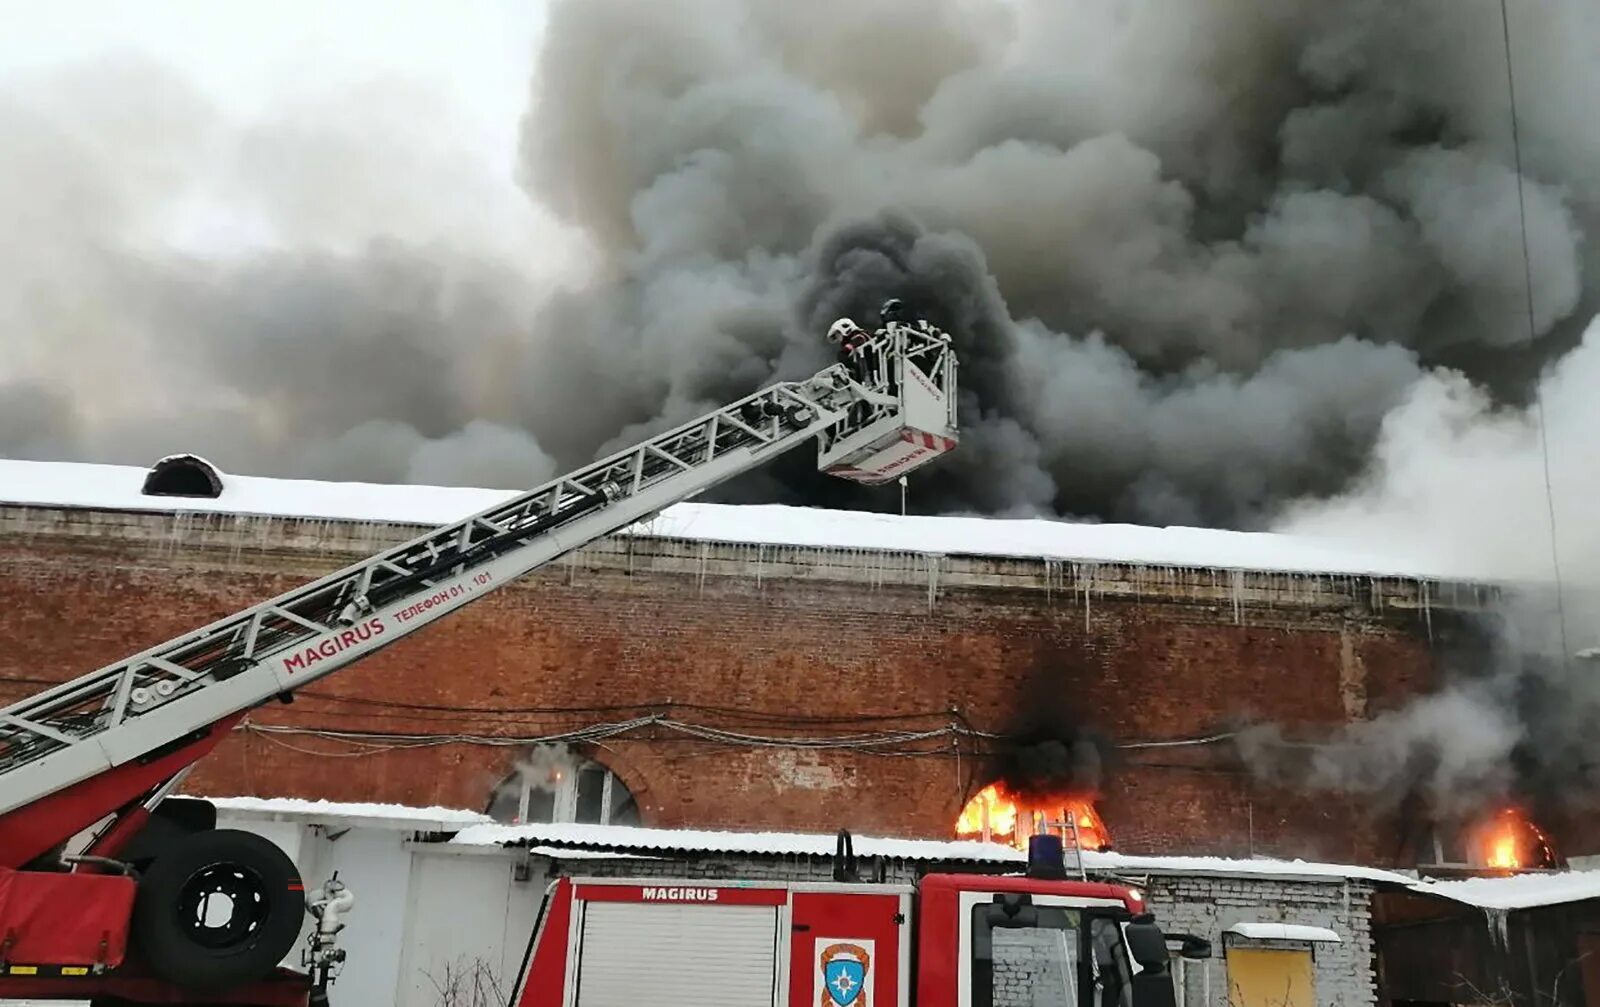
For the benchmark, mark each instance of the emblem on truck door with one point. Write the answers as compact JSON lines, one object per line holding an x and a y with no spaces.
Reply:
{"x":844,"y":969}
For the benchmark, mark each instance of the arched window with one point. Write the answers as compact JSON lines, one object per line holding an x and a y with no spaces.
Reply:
{"x":563,"y":788}
{"x":183,"y":476}
{"x":999,"y":814}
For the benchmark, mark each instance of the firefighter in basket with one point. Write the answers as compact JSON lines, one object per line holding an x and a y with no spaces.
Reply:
{"x":851,"y":340}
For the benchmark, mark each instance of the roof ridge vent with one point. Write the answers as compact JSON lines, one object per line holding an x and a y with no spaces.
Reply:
{"x":183,"y":476}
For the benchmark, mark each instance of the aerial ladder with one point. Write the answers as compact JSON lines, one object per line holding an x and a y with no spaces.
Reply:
{"x":109,"y":887}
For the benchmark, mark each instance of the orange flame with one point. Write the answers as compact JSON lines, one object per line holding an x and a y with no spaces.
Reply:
{"x":1509,"y":841}
{"x":997,"y":815}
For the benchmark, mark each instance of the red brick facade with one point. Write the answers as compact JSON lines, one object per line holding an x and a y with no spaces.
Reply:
{"x":752,"y":640}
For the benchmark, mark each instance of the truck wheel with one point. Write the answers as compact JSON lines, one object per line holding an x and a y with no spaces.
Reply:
{"x":216,"y":909}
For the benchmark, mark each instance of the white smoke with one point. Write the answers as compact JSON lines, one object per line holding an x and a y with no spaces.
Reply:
{"x":1460,"y":485}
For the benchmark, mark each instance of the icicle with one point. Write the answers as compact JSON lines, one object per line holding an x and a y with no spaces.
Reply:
{"x":1427,"y":607}
{"x":1236,"y":590}
{"x":933,"y":581}
{"x":1085,"y":575}
{"x":1496,"y":920}
{"x":705,"y":552}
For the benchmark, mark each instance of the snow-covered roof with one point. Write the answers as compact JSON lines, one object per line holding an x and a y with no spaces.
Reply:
{"x":568,"y":839}
{"x":627,"y":837}
{"x":1299,"y":870}
{"x":387,"y":816}
{"x":1518,"y":891}
{"x":1284,"y":932}
{"x":616,"y":837}
{"x":117,"y":487}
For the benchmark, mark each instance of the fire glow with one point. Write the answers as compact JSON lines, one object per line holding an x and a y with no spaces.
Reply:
{"x":1510,"y":842}
{"x":995,"y":814}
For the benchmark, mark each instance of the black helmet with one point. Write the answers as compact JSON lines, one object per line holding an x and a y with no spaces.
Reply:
{"x":893,"y":310}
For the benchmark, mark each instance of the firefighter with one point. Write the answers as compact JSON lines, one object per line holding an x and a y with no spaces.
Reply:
{"x":851,"y":339}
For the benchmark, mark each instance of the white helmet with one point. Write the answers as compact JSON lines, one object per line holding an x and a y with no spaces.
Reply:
{"x":843,"y":327}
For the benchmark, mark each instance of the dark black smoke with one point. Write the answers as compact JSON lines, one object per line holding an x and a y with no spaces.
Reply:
{"x":1047,"y":748}
{"x":1046,"y":762}
{"x":1193,"y":254}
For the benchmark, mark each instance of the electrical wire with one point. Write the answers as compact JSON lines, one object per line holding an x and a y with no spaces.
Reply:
{"x":784,"y":716}
{"x":929,"y":742}
{"x":1538,"y":390}
{"x":1180,"y":742}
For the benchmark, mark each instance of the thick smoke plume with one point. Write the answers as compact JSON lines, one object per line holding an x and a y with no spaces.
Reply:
{"x":1460,"y":485}
{"x":1044,"y":764}
{"x":1194,"y":255}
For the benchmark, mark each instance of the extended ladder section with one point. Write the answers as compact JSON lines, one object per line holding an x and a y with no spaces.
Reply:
{"x":155,"y":699}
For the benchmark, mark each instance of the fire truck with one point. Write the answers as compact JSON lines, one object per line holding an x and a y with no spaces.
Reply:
{"x":115,"y":891}
{"x":951,"y":940}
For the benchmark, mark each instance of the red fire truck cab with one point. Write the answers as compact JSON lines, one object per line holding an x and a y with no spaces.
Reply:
{"x":951,"y":940}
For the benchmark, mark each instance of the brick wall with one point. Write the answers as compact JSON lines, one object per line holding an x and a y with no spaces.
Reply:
{"x":1034,"y":968}
{"x":747,"y":639}
{"x":1207,"y":906}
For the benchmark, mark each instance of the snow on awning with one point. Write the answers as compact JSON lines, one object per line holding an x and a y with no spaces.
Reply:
{"x":384,"y":816}
{"x":1519,"y":891}
{"x":1284,"y":932}
{"x":119,"y":487}
{"x":638,"y":839}
{"x":1283,"y":870}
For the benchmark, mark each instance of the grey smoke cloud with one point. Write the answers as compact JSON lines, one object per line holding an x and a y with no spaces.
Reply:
{"x":1454,"y":746}
{"x":1193,"y":257}
{"x":1459,"y":483}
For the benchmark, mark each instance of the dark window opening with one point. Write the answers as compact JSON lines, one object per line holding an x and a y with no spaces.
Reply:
{"x":587,"y":792}
{"x":183,"y":476}
{"x":1024,"y":955}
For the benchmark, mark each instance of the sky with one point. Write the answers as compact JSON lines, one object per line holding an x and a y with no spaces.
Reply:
{"x":248,"y":56}
{"x":255,"y":61}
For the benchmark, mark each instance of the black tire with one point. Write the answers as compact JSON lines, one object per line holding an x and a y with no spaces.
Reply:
{"x":265,"y":909}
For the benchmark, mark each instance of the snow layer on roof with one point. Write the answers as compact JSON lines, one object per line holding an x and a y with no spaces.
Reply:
{"x":620,"y":837}
{"x":117,"y":487}
{"x":1284,"y":932}
{"x":1306,"y":869}
{"x":397,"y":814}
{"x":1205,"y":548}
{"x":1519,"y":891}
{"x":788,"y":843}
{"x":570,"y":853}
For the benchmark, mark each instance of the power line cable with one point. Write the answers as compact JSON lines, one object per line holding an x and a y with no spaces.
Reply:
{"x":1538,"y":387}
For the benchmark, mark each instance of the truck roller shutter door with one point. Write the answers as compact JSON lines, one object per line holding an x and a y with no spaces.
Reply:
{"x":710,"y":956}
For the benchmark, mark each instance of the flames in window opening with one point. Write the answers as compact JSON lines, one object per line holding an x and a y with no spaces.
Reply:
{"x":996,"y":814}
{"x":1510,"y":841}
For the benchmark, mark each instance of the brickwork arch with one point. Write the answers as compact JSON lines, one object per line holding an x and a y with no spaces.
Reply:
{"x":562,"y":784}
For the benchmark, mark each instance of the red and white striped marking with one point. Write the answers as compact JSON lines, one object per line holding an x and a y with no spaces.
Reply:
{"x":928,"y":440}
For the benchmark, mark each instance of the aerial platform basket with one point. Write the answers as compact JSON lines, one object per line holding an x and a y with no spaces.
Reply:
{"x":909,"y":416}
